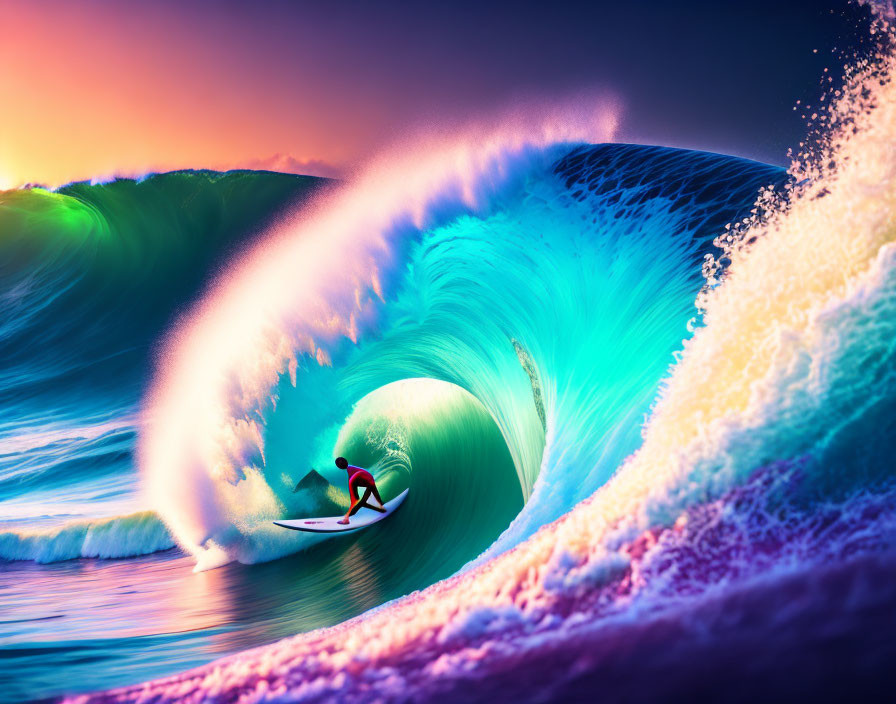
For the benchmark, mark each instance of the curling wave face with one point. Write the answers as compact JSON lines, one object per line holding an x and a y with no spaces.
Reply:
{"x":540,"y":295}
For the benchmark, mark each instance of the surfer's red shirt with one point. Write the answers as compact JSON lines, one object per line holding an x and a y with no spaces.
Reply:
{"x":358,"y":477}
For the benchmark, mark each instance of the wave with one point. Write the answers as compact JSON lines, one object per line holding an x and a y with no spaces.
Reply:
{"x":686,"y":504}
{"x":139,"y":533}
{"x":486,"y":278}
{"x":90,"y":276}
{"x":99,"y":271}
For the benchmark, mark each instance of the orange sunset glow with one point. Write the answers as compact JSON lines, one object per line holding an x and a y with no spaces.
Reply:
{"x":134,"y":88}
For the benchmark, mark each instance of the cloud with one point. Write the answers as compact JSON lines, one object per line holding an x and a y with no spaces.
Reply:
{"x":285,"y":163}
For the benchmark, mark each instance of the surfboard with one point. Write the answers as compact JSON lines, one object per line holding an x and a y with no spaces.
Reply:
{"x":362,"y":519}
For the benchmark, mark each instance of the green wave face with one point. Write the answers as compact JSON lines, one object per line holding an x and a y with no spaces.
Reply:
{"x":91,"y":277}
{"x":441,"y":442}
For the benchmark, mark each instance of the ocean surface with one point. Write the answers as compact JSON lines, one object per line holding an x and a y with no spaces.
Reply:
{"x":644,"y":399}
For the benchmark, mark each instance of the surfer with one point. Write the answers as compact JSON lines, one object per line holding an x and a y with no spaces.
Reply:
{"x":358,"y":477}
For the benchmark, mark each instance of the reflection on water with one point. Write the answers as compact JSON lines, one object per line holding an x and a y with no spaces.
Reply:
{"x":104,"y":623}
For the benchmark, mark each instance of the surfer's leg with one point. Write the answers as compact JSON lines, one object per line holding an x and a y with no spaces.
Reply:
{"x":365,"y":500}
{"x":376,"y":495}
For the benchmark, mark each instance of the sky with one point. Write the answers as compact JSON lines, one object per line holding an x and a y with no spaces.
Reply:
{"x":92,"y":88}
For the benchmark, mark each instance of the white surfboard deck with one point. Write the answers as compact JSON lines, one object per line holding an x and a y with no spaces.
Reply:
{"x":363,"y":518}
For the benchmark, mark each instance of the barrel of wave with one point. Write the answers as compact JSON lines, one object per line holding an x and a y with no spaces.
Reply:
{"x":437,"y":439}
{"x":430,"y":436}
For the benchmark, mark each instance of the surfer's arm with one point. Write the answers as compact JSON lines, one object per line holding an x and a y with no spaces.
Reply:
{"x":351,"y":508}
{"x":353,"y":497}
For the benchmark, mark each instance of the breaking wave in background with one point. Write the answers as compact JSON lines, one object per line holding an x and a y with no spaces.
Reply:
{"x":90,"y":277}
